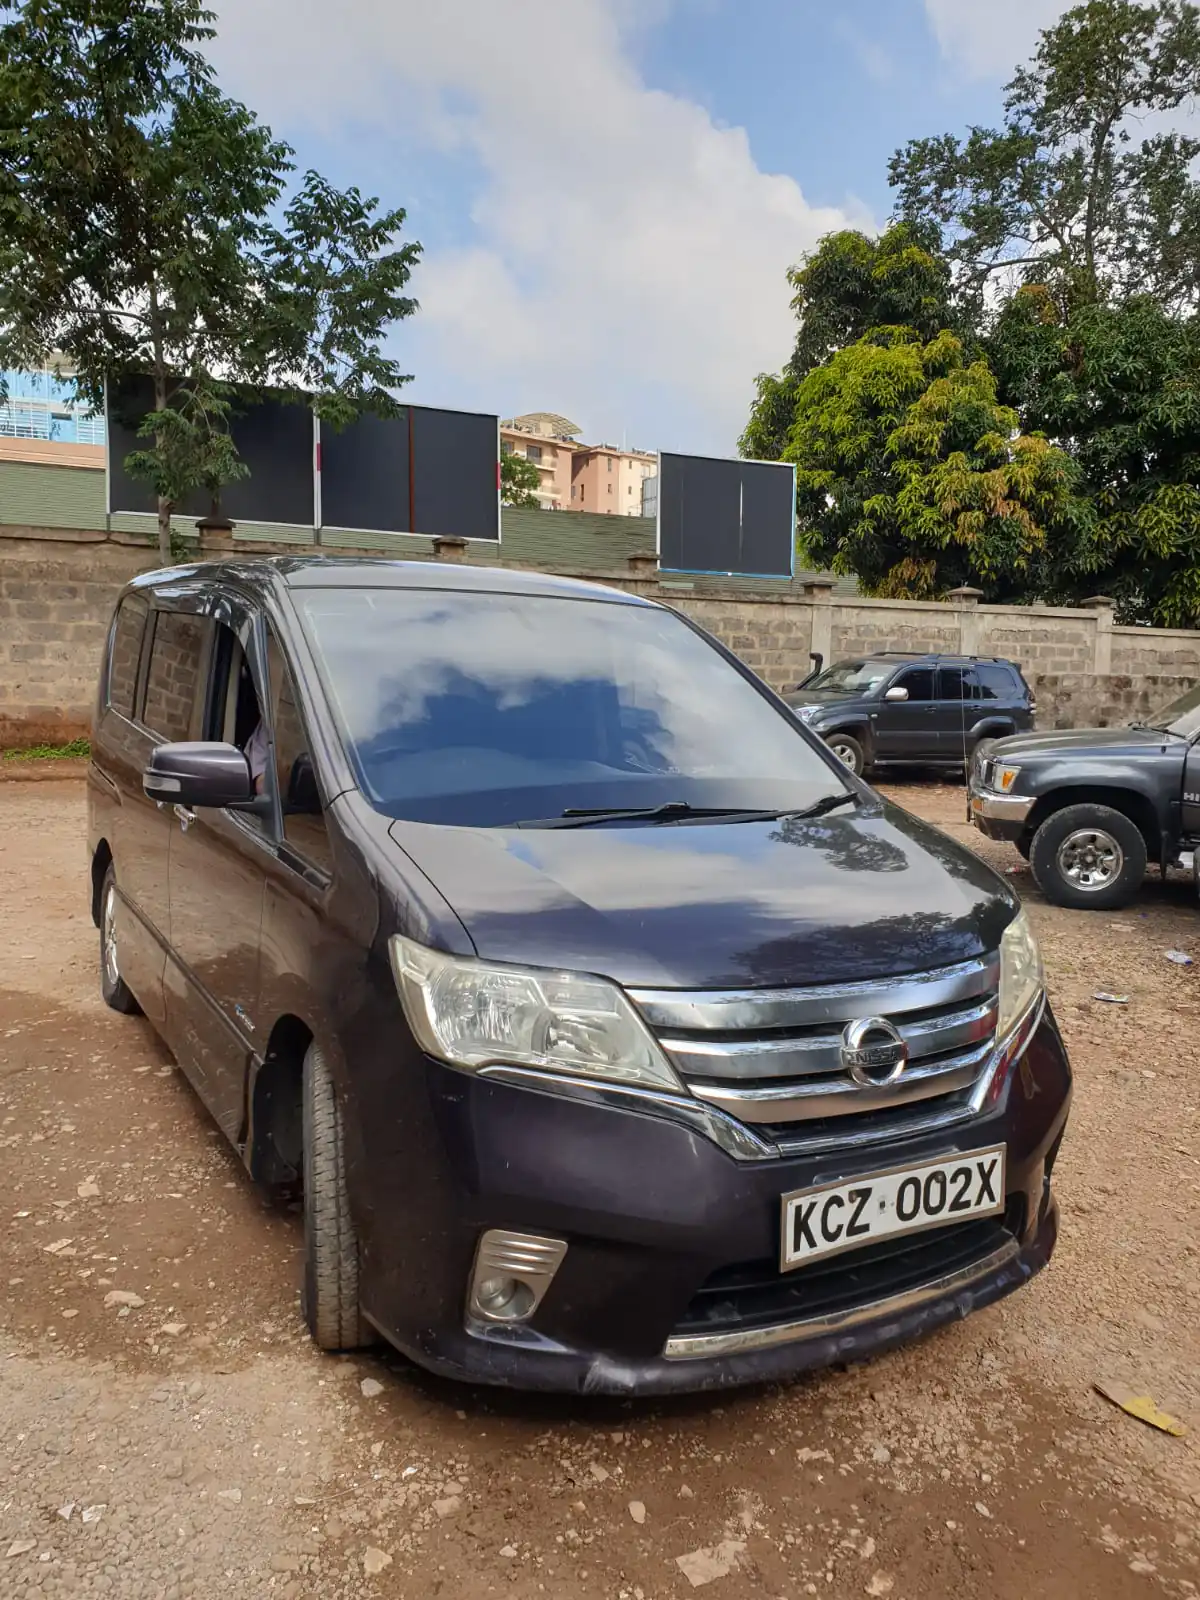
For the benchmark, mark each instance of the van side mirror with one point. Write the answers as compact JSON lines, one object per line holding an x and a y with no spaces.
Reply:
{"x":303,"y":798}
{"x":199,"y":773}
{"x":897,"y":694}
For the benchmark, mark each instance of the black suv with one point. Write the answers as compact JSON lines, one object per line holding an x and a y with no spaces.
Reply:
{"x":616,"y":1038}
{"x":923,"y":710}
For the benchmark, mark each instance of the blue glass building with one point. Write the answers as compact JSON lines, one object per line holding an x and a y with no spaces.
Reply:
{"x":40,"y":406}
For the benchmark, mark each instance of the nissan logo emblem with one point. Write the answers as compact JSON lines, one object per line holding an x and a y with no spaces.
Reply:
{"x":873,"y":1053}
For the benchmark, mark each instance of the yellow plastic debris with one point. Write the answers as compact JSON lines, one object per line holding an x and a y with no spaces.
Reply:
{"x":1142,"y":1407}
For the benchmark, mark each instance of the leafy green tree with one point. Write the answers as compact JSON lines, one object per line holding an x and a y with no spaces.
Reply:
{"x":912,"y":475}
{"x":849,"y":285}
{"x":1085,"y":187}
{"x":1119,"y":385}
{"x":138,"y":233}
{"x":519,"y":479}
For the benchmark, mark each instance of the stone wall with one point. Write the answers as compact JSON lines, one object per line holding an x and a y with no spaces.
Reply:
{"x":1089,"y":700}
{"x":57,"y":588}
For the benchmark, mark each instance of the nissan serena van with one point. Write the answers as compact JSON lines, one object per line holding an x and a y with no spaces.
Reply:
{"x":617,"y":1038}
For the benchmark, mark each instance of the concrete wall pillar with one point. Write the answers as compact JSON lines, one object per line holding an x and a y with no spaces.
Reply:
{"x":970,"y":623}
{"x":1103,"y":608}
{"x":819,"y":593}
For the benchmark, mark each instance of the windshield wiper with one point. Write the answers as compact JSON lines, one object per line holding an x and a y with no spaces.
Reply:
{"x":680,"y":811}
{"x":1154,"y":727}
{"x":830,"y":803}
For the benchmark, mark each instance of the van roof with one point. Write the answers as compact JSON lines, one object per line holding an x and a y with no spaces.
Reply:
{"x":350,"y":572}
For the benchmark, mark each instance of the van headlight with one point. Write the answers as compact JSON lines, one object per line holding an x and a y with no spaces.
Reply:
{"x":1021,"y":974}
{"x":473,"y":1014}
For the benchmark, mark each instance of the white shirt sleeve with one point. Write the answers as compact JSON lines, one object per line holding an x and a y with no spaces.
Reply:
{"x":257,"y":753}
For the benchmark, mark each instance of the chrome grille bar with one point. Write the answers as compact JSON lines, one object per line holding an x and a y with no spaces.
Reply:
{"x":749,"y":1056}
{"x":758,"y":1010}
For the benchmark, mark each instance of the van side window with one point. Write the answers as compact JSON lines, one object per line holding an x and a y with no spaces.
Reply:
{"x":126,"y":653}
{"x":176,"y":659}
{"x":303,"y":820}
{"x":234,"y":715}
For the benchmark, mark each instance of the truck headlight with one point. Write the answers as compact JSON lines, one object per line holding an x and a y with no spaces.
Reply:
{"x":1021,"y":975}
{"x":1004,"y":776}
{"x":475,"y":1014}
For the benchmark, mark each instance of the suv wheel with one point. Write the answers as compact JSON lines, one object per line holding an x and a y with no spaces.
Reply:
{"x":115,"y":991}
{"x":1089,"y":857}
{"x":330,"y":1246}
{"x":848,"y":751}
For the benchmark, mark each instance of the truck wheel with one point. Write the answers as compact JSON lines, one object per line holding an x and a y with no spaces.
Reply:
{"x":1088,"y":857}
{"x":848,"y":751}
{"x":330,"y":1246}
{"x":113,"y":988}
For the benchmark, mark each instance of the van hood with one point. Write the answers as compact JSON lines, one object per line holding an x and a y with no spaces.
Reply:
{"x":833,"y":899}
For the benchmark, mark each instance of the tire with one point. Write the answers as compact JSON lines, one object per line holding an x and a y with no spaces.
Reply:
{"x":331,"y":1306}
{"x":848,"y":750}
{"x":1088,"y":857}
{"x":113,"y":988}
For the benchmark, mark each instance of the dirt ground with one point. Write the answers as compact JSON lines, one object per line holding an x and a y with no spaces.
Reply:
{"x":167,"y":1430}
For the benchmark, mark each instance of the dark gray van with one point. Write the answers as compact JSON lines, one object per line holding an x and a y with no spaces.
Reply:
{"x":617,"y":1038}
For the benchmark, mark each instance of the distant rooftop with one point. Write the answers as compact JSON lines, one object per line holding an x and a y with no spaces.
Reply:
{"x":547,"y":424}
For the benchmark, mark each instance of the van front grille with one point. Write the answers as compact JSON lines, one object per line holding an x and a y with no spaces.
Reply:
{"x":774,"y":1058}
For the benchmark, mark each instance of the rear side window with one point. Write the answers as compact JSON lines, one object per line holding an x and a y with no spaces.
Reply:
{"x":176,"y":659}
{"x":994,"y":682}
{"x":954,"y":683}
{"x":126,"y":654}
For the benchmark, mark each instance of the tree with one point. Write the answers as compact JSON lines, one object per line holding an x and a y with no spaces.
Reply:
{"x":519,"y":480}
{"x":1070,"y":192}
{"x":137,"y":233}
{"x":1119,"y":386}
{"x":913,"y":476}
{"x":849,"y":285}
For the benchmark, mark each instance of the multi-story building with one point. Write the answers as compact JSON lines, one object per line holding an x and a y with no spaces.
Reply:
{"x":549,"y":441}
{"x":41,"y":405}
{"x":609,"y":481}
{"x":574,"y":476}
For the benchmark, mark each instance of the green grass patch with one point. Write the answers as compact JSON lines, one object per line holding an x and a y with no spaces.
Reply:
{"x":76,"y":750}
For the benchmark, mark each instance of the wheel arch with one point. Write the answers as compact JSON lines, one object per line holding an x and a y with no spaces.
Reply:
{"x":275,"y":1134}
{"x":1130,"y":802}
{"x":101,"y":861}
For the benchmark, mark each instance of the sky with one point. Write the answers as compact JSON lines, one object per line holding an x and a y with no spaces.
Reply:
{"x":609,"y":193}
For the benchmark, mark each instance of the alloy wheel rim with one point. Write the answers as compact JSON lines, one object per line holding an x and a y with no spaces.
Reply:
{"x":845,"y":755}
{"x":112,"y":970}
{"x":1091,"y":859}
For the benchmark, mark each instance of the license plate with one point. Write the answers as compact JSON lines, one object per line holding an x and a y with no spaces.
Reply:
{"x":884,"y":1205}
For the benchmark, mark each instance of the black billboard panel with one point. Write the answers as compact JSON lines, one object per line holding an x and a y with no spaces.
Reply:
{"x":736,"y":518}
{"x":273,"y":436}
{"x":425,"y":471}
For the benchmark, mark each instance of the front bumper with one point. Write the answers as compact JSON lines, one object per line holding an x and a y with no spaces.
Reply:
{"x":652,"y":1211}
{"x":998,"y":816}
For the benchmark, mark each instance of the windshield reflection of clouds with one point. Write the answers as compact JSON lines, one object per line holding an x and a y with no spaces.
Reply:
{"x":453,"y":693}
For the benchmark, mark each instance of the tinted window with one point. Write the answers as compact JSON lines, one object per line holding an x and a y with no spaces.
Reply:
{"x":485,"y":709}
{"x":918,"y":681}
{"x":175,"y":660}
{"x":126,"y":653}
{"x":954,"y":683}
{"x":303,"y":830}
{"x":994,"y":682}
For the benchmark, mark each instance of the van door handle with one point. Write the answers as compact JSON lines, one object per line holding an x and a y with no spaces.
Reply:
{"x":186,"y":817}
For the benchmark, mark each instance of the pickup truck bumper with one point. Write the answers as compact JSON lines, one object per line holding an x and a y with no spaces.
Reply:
{"x":999,"y":816}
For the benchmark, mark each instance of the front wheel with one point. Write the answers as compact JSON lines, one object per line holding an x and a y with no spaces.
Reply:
{"x":1088,"y":857}
{"x":113,"y":988}
{"x":848,"y":751}
{"x":330,"y":1243}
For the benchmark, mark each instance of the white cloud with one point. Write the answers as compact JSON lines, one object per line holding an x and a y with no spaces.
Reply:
{"x":991,"y":38}
{"x":627,"y":257}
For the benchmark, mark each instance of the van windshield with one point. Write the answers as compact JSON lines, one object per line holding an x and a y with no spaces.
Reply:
{"x":484,"y":709}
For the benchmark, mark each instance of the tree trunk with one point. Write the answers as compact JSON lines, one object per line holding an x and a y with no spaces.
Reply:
{"x":164,"y":531}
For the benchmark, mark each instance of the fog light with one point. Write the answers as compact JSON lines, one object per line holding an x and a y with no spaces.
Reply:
{"x":511,"y":1274}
